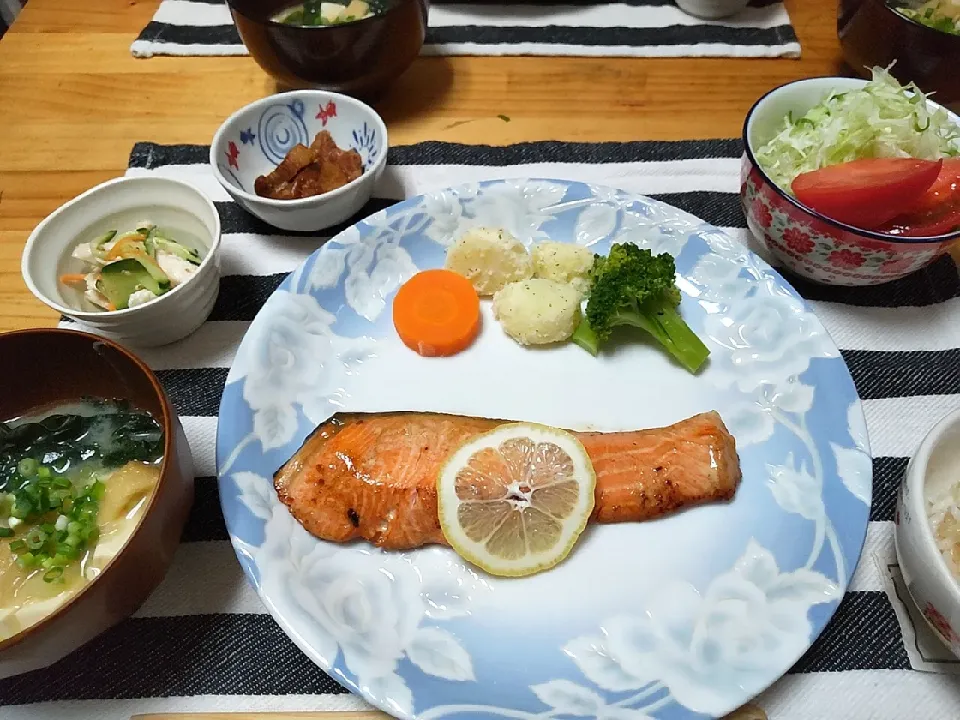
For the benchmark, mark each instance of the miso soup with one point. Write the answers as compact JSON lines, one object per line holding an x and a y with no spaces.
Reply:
{"x":74,"y":483}
{"x":314,"y":13}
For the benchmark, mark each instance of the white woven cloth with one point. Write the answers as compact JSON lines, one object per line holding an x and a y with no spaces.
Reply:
{"x":204,"y":642}
{"x":630,"y":28}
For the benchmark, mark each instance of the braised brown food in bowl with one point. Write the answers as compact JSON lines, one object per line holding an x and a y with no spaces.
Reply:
{"x":308,"y":171}
{"x":359,"y":58}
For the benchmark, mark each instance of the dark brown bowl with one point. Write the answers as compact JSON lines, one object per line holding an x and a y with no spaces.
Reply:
{"x":358,"y":58}
{"x":871,"y":33}
{"x":48,"y":367}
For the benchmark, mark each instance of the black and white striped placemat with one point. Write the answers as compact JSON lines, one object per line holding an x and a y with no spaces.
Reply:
{"x":203,"y":641}
{"x":629,"y":28}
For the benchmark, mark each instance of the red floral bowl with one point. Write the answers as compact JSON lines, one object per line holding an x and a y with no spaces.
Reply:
{"x":806,"y":242}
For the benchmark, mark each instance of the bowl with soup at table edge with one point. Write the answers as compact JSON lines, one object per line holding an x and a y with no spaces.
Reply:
{"x":56,"y":369}
{"x":361,"y":58}
{"x":872,"y":32}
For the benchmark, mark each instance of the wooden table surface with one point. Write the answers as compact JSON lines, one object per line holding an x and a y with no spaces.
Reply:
{"x":74,"y":100}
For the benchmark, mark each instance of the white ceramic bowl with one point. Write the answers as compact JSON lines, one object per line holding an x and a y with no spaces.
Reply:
{"x":256,"y":138}
{"x":170,"y":203}
{"x":712,"y":9}
{"x":932,"y":587}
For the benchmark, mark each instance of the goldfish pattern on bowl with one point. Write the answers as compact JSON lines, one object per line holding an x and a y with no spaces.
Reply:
{"x":423,"y":634}
{"x":821,"y":251}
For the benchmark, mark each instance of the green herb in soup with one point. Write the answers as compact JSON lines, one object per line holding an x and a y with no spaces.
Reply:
{"x":942,"y":15}
{"x":73,"y":484}
{"x":314,"y":12}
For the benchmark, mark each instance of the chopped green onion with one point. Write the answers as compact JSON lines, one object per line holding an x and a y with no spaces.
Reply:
{"x":22,"y":508}
{"x":18,"y":546}
{"x":35,"y":538}
{"x":53,"y":574}
{"x":60,"y":519}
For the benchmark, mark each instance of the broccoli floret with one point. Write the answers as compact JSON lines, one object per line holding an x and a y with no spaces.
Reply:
{"x":632,"y":286}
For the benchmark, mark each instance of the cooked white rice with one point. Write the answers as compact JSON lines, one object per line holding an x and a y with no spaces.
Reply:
{"x":943,"y":512}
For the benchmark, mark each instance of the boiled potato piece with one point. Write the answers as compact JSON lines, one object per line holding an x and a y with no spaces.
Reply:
{"x":537,"y":311}
{"x":563,"y":262}
{"x":490,"y":259}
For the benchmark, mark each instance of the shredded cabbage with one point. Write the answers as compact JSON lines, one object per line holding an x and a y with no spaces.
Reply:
{"x":882,"y":119}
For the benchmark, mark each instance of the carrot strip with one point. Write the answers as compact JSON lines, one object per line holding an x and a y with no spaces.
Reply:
{"x":126,"y":246}
{"x":437,"y":313}
{"x":73,"y":279}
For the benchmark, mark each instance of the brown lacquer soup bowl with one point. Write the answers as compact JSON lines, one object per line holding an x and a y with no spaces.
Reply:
{"x":56,"y":381}
{"x":359,"y":58}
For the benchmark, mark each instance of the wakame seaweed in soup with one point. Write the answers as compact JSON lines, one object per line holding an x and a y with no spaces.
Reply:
{"x":92,"y":432}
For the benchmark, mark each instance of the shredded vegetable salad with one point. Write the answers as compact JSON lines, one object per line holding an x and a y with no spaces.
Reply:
{"x":884,"y":119}
{"x":130,"y":269}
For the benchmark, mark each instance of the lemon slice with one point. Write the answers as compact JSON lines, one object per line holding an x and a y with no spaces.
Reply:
{"x":514,"y":500}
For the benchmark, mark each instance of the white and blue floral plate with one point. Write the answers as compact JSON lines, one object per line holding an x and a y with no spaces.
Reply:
{"x":686,"y":616}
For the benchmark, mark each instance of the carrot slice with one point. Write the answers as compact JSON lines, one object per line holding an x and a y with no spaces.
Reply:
{"x":437,"y":313}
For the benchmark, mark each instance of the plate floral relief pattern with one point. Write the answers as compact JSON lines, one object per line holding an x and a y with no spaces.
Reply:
{"x":400,"y":628}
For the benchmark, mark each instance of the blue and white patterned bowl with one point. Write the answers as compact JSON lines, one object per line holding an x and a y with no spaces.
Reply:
{"x":684,"y":617}
{"x":256,"y":138}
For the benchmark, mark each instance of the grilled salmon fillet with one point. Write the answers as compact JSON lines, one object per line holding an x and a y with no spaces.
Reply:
{"x":373,"y":476}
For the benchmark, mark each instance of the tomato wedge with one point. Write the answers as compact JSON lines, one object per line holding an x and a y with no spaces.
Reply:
{"x":937,"y":211}
{"x":866,"y":193}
